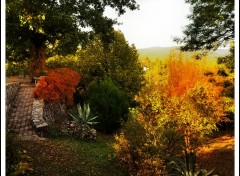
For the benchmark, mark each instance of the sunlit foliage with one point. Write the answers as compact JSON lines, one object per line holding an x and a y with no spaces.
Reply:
{"x":137,"y":160}
{"x":37,"y":28}
{"x":183,"y":74}
{"x":175,"y":114}
{"x":58,"y":85}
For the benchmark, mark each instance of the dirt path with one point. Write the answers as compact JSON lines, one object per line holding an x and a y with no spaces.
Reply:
{"x":218,"y":154}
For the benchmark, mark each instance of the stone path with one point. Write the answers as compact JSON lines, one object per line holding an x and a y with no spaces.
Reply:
{"x":19,"y":119}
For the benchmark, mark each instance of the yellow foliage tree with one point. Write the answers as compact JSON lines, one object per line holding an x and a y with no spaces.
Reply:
{"x":179,"y":113}
{"x":200,"y":102}
{"x":183,"y":74}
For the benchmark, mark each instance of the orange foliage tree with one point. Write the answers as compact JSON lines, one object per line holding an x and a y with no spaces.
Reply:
{"x":59,"y":85}
{"x":200,"y":105}
{"x":183,"y":74}
{"x":175,"y":115}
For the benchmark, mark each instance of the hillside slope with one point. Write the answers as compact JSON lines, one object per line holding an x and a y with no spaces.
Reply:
{"x":164,"y":52}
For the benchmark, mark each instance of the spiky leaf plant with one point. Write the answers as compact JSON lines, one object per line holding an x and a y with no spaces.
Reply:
{"x":83,"y":116}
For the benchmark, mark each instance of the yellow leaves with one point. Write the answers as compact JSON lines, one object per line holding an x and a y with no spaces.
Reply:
{"x":31,"y":27}
{"x":32,"y":22}
{"x":40,"y":30}
{"x":188,"y":106}
{"x":187,"y":101}
{"x":42,"y":17}
{"x":228,"y":104}
{"x":136,"y":159}
{"x":122,"y":142}
{"x":22,"y":20}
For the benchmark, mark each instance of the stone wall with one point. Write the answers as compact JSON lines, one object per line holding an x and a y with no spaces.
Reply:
{"x":38,"y":122}
{"x":11,"y":92}
{"x":45,"y":114}
{"x":54,"y":112}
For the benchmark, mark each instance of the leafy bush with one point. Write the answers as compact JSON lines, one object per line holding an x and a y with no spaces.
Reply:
{"x":117,"y":61}
{"x":183,"y":74}
{"x":16,"y":68}
{"x":138,"y":161}
{"x":24,"y":165}
{"x":59,"y":85}
{"x":58,"y":61}
{"x":109,"y":103}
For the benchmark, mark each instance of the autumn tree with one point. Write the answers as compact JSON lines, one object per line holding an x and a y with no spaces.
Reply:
{"x":174,"y":116}
{"x":35,"y":28}
{"x":199,"y":100}
{"x":211,"y":25}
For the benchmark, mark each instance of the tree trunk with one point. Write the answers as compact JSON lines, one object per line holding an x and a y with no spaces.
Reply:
{"x":37,"y":62}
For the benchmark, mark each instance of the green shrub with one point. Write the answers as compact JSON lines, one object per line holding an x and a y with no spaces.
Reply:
{"x":109,"y":103}
{"x":58,"y":61}
{"x":16,"y":68}
{"x":119,"y":62}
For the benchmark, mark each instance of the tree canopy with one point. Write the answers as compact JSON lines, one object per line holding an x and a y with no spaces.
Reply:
{"x":35,"y":28}
{"x":118,"y":61}
{"x":57,"y":24}
{"x":211,"y":25}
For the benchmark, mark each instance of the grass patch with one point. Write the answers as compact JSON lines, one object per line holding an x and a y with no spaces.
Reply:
{"x":69,"y":156}
{"x":64,"y":156}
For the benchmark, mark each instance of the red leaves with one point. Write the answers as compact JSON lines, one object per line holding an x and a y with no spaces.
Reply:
{"x":59,"y":85}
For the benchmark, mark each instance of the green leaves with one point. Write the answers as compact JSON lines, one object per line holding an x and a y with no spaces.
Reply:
{"x":186,"y":167}
{"x":83,"y":116}
{"x":62,"y":21}
{"x":211,"y":25}
{"x":118,"y":61}
{"x":109,"y":103}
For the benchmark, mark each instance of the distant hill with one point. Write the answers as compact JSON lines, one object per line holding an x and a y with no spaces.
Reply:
{"x":163,"y":52}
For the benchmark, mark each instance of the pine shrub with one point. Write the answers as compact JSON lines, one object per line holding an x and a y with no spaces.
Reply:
{"x":109,"y":103}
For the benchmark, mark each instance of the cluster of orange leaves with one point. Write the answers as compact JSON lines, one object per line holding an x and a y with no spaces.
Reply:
{"x":186,"y":80}
{"x":183,"y":75}
{"x":184,"y":106}
{"x":59,"y":85}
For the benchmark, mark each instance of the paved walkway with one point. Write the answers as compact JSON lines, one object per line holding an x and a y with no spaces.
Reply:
{"x":19,"y":119}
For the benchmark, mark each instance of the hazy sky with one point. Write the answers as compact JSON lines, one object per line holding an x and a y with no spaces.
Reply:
{"x":155,"y":24}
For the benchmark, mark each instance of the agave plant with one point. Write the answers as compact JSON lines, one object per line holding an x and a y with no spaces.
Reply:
{"x":186,"y":167}
{"x":83,"y":116}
